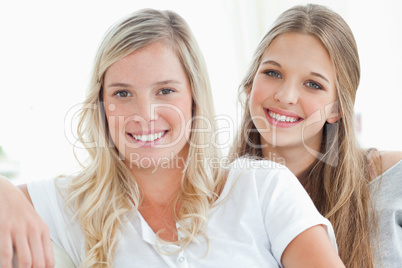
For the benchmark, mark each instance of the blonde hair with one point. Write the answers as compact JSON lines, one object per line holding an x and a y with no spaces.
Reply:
{"x":106,"y":178}
{"x":338,"y":180}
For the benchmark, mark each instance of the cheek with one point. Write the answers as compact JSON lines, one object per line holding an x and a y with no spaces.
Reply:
{"x":113,"y":128}
{"x":187,"y":110}
{"x":255,"y":93}
{"x":255,"y":102}
{"x":317,"y":111}
{"x":260,"y":92}
{"x":116,"y":121}
{"x":314,"y":105}
{"x":311,"y":108}
{"x":185,"y":106}
{"x":177,"y":114}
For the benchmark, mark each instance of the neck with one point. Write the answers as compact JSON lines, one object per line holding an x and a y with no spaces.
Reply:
{"x":296,"y":158}
{"x":159,"y":184}
{"x":159,"y":187}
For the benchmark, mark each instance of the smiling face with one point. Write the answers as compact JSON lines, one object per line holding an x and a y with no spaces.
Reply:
{"x":293,"y":92}
{"x":148,"y":105}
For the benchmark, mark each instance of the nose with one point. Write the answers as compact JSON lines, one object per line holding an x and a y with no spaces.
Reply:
{"x":287,"y":93}
{"x":144,"y":110}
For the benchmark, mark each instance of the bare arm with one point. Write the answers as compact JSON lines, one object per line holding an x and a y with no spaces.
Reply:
{"x":312,"y":248}
{"x":22,"y":229}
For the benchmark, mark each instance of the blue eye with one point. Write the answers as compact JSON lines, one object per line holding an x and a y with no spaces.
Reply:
{"x":313,"y":85}
{"x":165,"y":91}
{"x":122,"y":94}
{"x":273,"y":74}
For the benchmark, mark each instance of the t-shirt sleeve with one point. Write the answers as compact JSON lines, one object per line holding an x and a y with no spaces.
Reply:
{"x":386,"y":194}
{"x":288,"y":210}
{"x":50,"y":205}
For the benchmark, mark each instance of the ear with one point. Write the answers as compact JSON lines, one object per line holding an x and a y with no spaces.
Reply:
{"x":334,"y":114}
{"x":335,"y":119}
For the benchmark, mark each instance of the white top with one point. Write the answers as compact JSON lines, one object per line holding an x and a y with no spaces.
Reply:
{"x":262,"y":208}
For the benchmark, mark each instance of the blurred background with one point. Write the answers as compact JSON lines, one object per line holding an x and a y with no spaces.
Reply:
{"x":47,"y":49}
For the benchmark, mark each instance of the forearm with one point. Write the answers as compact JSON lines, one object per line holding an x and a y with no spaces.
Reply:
{"x":9,"y":191}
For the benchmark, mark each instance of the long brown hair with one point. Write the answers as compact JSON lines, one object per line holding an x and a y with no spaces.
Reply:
{"x":337,"y":180}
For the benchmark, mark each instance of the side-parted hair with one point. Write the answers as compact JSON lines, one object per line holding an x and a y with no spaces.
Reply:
{"x":338,"y":180}
{"x":105,"y":192}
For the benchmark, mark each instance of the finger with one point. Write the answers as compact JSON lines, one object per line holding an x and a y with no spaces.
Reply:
{"x":6,"y":251}
{"x":48,"y":249}
{"x":24,"y":258}
{"x":35,"y":243}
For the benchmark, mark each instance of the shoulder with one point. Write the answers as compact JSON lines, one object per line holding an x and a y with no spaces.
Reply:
{"x":38,"y":186}
{"x":258,"y":168}
{"x":386,"y":159}
{"x":51,"y":184}
{"x":262,"y":175}
{"x":48,"y":192}
{"x":390,"y":158}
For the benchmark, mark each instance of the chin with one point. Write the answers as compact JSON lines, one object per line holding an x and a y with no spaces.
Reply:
{"x":282,"y":141}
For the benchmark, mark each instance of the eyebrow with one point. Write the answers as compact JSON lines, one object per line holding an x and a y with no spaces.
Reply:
{"x":277,"y":64}
{"x":118,"y":85}
{"x":159,"y":83}
{"x":164,"y":82}
{"x":319,"y":75}
{"x":271,"y":62}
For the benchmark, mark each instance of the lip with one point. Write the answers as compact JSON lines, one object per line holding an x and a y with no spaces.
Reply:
{"x":282,"y":112}
{"x":281,"y":124}
{"x":131,"y":138}
{"x":142,"y":132}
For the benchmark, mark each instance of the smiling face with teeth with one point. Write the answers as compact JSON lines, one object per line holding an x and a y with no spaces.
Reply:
{"x":293,"y":92}
{"x":148,"y":105}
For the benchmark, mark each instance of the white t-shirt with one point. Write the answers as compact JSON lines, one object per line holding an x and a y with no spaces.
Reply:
{"x":262,"y":208}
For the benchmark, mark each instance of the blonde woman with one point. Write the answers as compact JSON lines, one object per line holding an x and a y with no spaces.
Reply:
{"x":298,"y":110}
{"x":150,"y":195}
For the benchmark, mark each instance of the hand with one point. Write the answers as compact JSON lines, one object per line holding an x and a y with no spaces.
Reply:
{"x":22,"y":230}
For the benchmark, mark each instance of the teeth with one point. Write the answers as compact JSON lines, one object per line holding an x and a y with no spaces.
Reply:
{"x":282,"y":118}
{"x":149,"y":137}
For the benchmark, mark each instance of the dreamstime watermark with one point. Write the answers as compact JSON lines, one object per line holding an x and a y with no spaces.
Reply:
{"x":173,"y":161}
{"x":197,"y":125}
{"x":170,"y":161}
